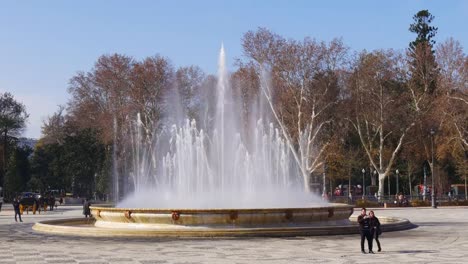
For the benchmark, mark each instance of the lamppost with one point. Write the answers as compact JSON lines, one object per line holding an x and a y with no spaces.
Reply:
{"x":425,"y":183}
{"x":363,"y":187}
{"x":350,"y":195}
{"x":324,"y":188}
{"x":432,"y":170}
{"x":410,"y":186}
{"x":388,"y":183}
{"x":397,"y":186}
{"x":375,"y":178}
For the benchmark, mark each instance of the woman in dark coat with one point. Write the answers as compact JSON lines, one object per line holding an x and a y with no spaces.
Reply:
{"x":86,"y":209}
{"x":375,"y":226}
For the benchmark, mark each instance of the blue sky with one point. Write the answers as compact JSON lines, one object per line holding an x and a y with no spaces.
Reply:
{"x":44,"y":43}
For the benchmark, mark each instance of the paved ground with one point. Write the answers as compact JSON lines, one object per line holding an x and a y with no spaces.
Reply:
{"x":441,"y":237}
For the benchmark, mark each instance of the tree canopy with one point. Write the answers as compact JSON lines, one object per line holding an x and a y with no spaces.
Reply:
{"x":13,"y":118}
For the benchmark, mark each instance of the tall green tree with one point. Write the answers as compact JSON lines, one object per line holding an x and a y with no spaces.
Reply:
{"x":13,"y":118}
{"x":47,"y":167}
{"x":424,"y":31}
{"x":82,"y":156}
{"x":18,"y":173}
{"x":79,"y":165}
{"x":422,"y":84}
{"x":422,"y":63}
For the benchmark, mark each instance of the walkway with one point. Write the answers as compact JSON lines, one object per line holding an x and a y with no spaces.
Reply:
{"x":441,"y":237}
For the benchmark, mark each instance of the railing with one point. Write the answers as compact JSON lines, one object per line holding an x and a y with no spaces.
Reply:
{"x":391,"y":200}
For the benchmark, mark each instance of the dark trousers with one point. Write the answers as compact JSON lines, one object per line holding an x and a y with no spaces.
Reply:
{"x":366,"y":234}
{"x":17,"y":213}
{"x":376,"y":236}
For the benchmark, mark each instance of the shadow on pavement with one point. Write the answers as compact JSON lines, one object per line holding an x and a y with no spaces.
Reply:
{"x":442,"y":223}
{"x":414,"y":251}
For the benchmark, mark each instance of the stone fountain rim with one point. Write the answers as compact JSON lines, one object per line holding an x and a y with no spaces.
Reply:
{"x":67,"y":227}
{"x":222,"y":210}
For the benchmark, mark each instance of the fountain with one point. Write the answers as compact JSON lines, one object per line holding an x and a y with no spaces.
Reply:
{"x":233,"y":178}
{"x":232,"y":165}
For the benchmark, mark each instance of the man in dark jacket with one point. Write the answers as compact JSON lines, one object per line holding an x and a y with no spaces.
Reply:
{"x":16,"y":206}
{"x":51,"y":202}
{"x":365,"y":230}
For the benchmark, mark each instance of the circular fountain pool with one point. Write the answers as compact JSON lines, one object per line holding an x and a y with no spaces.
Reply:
{"x":133,"y":222}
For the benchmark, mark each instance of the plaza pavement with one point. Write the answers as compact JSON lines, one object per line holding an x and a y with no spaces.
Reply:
{"x":441,"y":237}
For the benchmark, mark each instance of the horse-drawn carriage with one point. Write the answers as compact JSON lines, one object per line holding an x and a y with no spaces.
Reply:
{"x":30,"y":202}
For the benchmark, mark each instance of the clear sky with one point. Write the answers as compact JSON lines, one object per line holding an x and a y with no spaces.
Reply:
{"x":44,"y":43}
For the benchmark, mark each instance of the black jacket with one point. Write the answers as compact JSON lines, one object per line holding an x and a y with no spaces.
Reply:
{"x":16,"y":206}
{"x":86,"y":209}
{"x":375,"y":224}
{"x":364,"y":223}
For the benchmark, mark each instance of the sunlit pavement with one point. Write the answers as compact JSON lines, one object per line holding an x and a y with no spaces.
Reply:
{"x":441,"y":237}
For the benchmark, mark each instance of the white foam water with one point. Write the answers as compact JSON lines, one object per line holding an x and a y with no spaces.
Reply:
{"x":234,"y":165}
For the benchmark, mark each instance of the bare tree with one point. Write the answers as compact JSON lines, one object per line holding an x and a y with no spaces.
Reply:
{"x":305,"y":76}
{"x":150,"y":80}
{"x":380,"y":109}
{"x":453,"y":80}
{"x":189,"y":81}
{"x":102,"y":94}
{"x":53,"y":129}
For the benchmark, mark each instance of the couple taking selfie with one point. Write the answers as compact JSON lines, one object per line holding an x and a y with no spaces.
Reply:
{"x":369,"y":228}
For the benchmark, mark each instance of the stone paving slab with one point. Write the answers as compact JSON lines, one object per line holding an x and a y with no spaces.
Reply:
{"x":441,"y":237}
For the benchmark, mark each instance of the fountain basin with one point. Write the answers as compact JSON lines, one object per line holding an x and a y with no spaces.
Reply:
{"x":132,"y":222}
{"x":219,"y":218}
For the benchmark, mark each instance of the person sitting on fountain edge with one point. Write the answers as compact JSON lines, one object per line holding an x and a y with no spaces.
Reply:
{"x":365,"y":230}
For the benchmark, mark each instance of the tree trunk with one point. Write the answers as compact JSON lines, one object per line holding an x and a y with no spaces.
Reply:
{"x":382,"y":177}
{"x":372,"y":175}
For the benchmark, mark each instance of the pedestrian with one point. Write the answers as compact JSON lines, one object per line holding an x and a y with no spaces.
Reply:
{"x":86,"y":209}
{"x":35,"y":206}
{"x":61,"y":201}
{"x":365,"y":230}
{"x":38,"y":202}
{"x":375,"y":226}
{"x":16,"y":206}
{"x":51,"y":202}
{"x":41,"y":203}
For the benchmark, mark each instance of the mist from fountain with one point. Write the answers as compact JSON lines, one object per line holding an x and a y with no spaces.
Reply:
{"x":231,"y":166}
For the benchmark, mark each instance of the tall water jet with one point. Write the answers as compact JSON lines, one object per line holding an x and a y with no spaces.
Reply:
{"x":221,"y":110}
{"x":232,"y":165}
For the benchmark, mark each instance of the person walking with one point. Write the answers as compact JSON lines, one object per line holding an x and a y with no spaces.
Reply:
{"x":51,"y":202}
{"x":16,"y":206}
{"x":40,"y":203}
{"x":375,"y":226}
{"x":365,"y":230}
{"x":86,"y":209}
